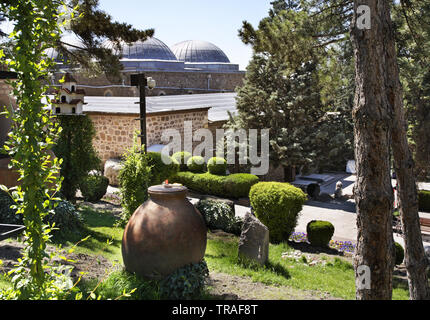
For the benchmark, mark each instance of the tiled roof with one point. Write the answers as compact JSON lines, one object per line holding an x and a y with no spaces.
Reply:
{"x":219,"y":104}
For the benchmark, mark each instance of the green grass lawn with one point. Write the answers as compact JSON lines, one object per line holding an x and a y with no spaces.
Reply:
{"x":335,"y":278}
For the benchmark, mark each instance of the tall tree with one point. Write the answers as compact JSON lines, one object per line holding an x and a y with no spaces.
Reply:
{"x":415,"y":259}
{"x":372,"y":129}
{"x":282,"y":89}
{"x":380,"y":95}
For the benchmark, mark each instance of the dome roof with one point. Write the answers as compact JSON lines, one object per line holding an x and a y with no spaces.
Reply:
{"x":199,"y":51}
{"x":150,"y":49}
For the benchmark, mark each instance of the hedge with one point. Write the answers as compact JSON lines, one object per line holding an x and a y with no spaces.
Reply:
{"x":277,"y":205}
{"x":234,"y":185}
{"x":424,"y":200}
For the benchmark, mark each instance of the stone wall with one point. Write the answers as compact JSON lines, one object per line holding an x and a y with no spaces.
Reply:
{"x":115,"y":132}
{"x":168,"y":83}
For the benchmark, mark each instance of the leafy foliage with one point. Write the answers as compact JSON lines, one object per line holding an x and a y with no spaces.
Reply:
{"x":277,"y":206}
{"x":159,"y":170}
{"x":219,"y":215}
{"x":134,"y":178}
{"x":186,"y":282}
{"x":65,"y":216}
{"x":94,"y":187}
{"x":33,"y":133}
{"x":75,"y":147}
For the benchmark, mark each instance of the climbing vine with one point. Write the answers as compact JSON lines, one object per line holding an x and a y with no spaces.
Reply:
{"x":36,"y":28}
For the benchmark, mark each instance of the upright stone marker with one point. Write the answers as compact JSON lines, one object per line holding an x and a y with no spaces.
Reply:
{"x":254,"y":240}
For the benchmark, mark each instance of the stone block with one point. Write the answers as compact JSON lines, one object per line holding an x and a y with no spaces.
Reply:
{"x":254,"y":240}
{"x":111,"y":171}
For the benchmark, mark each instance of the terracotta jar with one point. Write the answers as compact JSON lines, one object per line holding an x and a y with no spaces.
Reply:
{"x":165,"y":233}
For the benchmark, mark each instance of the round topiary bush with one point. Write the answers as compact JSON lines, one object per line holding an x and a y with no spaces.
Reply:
{"x":182,"y":157}
{"x":400,"y":253}
{"x":93,"y":188}
{"x":217,"y":165}
{"x":277,"y":205}
{"x":238,"y":185}
{"x":196,"y":164}
{"x":160,"y":171}
{"x":319,"y":232}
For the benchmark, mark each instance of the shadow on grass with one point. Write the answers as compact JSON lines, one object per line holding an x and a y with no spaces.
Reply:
{"x":274,"y":267}
{"x":308,"y":248}
{"x":98,"y":241}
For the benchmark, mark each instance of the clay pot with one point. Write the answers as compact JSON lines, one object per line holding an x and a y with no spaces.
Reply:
{"x":165,"y":233}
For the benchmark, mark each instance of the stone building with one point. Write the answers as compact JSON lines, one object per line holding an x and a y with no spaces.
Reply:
{"x":189,"y":67}
{"x":114,"y":118}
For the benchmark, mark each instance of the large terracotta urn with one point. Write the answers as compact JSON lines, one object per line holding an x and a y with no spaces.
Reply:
{"x":165,"y":233}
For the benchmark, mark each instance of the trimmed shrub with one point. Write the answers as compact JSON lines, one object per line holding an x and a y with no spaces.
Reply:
{"x":234,"y":185}
{"x":160,"y":171}
{"x":93,"y":188}
{"x":319,"y":232}
{"x":400,"y":253}
{"x":196,"y":164}
{"x":239,"y":184}
{"x":181,"y":157}
{"x":277,"y":205}
{"x":219,"y":215}
{"x":217,"y":166}
{"x":424,"y":200}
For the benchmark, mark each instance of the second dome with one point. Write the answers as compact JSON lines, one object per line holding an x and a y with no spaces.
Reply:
{"x":199,"y":51}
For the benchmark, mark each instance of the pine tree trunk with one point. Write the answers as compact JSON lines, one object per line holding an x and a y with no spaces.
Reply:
{"x":372,"y":126}
{"x":415,"y":259}
{"x":289,"y":173}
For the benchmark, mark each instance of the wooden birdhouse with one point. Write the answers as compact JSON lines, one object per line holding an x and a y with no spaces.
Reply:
{"x":70,"y":99}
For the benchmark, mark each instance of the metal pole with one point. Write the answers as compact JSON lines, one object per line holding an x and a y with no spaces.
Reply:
{"x":140,"y":81}
{"x":142,"y":87}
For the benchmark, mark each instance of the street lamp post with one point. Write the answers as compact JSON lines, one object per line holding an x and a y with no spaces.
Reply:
{"x":139,"y":80}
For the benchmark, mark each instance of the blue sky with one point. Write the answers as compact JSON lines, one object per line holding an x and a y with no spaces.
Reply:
{"x":175,"y":21}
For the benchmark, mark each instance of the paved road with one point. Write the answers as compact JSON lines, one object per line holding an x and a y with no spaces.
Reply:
{"x":343,"y":217}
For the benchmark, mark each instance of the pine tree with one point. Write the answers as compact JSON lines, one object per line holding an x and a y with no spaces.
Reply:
{"x":92,"y":26}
